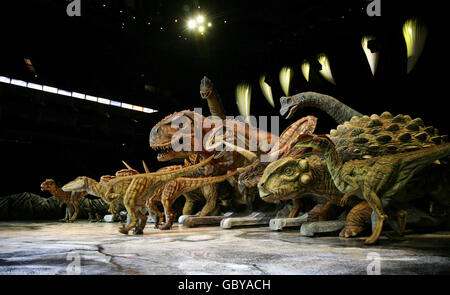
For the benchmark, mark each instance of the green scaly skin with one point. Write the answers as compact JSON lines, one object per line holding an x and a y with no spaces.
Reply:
{"x":360,"y":137}
{"x":375,"y":178}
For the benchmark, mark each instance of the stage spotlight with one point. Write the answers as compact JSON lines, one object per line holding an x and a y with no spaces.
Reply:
{"x":266,"y":90}
{"x":243,"y":98}
{"x":305,"y":69}
{"x":200,"y":19}
{"x":286,"y":74}
{"x":209,"y":24}
{"x":201,"y":29}
{"x":415,"y":34}
{"x":372,"y":57}
{"x":192,"y":24}
{"x":326,"y":70}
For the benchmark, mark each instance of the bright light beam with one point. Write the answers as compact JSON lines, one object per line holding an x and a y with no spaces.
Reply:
{"x":200,"y":19}
{"x":415,"y":34}
{"x":305,"y":69}
{"x":192,"y":24}
{"x":372,"y":57}
{"x":243,"y":98}
{"x":286,"y":74}
{"x":326,"y":70}
{"x":266,"y":90}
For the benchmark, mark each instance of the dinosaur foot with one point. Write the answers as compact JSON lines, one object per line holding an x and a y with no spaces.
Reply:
{"x":138,"y":231}
{"x":166,"y":226}
{"x":62,"y":220}
{"x":123,"y":230}
{"x":376,"y":231}
{"x":351,"y":231}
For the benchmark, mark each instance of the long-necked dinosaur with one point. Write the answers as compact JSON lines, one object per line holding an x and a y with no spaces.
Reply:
{"x":375,"y":178}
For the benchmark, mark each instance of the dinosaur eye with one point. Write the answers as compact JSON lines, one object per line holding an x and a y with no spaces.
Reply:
{"x":289,"y":171}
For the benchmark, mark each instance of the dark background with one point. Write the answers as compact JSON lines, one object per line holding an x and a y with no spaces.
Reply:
{"x":128,"y":57}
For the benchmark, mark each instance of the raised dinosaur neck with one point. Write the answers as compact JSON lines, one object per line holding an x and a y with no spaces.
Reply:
{"x":96,"y":189}
{"x":215,"y":105}
{"x":333,"y":107}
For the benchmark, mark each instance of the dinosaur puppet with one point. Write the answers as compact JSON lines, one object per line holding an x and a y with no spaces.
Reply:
{"x":181,"y":186}
{"x":359,"y":138}
{"x":134,"y":190}
{"x":164,"y":133}
{"x":374,"y":178}
{"x":69,"y":198}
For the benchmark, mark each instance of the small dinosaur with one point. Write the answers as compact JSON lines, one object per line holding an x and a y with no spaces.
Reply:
{"x":134,"y":190}
{"x":374,"y":178}
{"x":69,"y":198}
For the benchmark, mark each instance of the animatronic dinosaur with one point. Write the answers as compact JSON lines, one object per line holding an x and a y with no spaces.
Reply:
{"x":359,"y":138}
{"x":115,"y":206}
{"x":174,"y":189}
{"x":208,"y":92}
{"x":69,"y":198}
{"x":133,"y":190}
{"x":197,"y":129}
{"x":374,"y":178}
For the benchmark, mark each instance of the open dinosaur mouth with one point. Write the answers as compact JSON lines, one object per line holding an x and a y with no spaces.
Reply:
{"x":166,"y":153}
{"x":163,"y":151}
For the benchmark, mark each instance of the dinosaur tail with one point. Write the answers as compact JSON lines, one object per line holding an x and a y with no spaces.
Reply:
{"x":336,"y":109}
{"x":427,"y":155}
{"x":189,"y":184}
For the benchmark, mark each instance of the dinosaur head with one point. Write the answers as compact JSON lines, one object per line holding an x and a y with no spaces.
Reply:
{"x":206,"y":87}
{"x":106,"y":178}
{"x":284,"y":179}
{"x":79,"y":184}
{"x":172,"y":130}
{"x":48,"y":185}
{"x":314,"y":144}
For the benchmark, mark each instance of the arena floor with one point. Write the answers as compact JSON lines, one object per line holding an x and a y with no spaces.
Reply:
{"x":98,"y":248}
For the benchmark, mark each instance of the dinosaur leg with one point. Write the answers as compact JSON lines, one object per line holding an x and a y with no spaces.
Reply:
{"x":168,"y":197}
{"x":152,"y":206}
{"x":75,"y":214}
{"x":66,"y":216}
{"x":345,"y":198}
{"x":140,"y":225}
{"x":375,"y":203}
{"x":329,"y":212}
{"x":356,"y":219}
{"x":249,"y":198}
{"x":298,"y":205}
{"x":210,"y":194}
{"x":401,"y":220}
{"x":188,"y":208}
{"x":135,"y":189}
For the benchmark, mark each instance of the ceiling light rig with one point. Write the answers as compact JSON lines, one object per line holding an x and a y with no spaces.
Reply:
{"x":198,"y":24}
